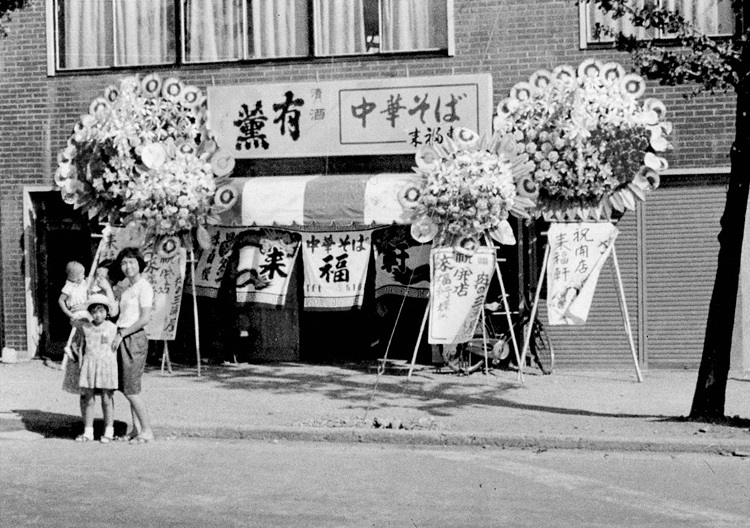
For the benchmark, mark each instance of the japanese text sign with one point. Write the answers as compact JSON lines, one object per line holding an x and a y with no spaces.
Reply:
{"x":264,"y":268}
{"x":402,"y":265}
{"x":458,"y":288}
{"x":165,"y":272}
{"x":335,"y":269}
{"x":577,"y":253}
{"x":357,"y":117}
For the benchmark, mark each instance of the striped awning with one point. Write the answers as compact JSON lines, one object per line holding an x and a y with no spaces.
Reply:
{"x":316,"y":202}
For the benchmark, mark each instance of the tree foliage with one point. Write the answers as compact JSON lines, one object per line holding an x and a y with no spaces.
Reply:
{"x":705,"y":64}
{"x":6,"y":8}
{"x":687,"y":56}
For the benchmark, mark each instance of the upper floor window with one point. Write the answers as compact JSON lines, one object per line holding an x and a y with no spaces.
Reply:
{"x":714,"y":18}
{"x":93,"y":34}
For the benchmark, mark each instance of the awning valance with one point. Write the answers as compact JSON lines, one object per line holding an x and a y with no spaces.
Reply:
{"x":342,"y":201}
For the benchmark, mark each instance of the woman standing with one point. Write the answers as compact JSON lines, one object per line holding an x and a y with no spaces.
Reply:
{"x":135,"y":296}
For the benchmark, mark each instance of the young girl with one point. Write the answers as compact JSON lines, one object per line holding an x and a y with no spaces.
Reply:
{"x":99,"y":364}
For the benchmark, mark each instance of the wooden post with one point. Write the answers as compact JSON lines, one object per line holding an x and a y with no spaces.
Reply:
{"x":624,"y":310}
{"x":195,"y":311}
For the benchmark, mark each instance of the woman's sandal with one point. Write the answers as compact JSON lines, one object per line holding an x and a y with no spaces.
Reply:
{"x":84,"y":438}
{"x":141,"y":439}
{"x":106,"y":439}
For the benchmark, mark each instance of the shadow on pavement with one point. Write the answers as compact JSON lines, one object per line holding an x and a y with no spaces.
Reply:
{"x":440,"y":394}
{"x":57,"y":425}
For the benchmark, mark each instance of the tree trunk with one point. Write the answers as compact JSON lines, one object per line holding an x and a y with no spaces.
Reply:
{"x":710,"y":390}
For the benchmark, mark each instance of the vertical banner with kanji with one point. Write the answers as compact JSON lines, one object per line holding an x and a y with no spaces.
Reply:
{"x":402,"y":265}
{"x":264,"y":267}
{"x":165,"y":272}
{"x":458,"y":288}
{"x":335,"y":269}
{"x":212,"y":262}
{"x":577,"y":253}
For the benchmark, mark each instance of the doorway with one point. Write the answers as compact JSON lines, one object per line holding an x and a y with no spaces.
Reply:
{"x":54,"y":234}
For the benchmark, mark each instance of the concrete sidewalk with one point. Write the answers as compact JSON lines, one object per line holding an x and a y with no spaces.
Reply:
{"x":606,"y":410}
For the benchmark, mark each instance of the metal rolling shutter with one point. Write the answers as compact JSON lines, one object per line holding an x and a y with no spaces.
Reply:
{"x":681,"y":226}
{"x":602,"y":341}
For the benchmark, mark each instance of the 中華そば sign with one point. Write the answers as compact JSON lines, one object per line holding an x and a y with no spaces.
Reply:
{"x":357,"y":117}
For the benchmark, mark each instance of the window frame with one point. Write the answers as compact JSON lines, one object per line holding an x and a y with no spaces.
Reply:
{"x":584,"y":30}
{"x":54,"y":55}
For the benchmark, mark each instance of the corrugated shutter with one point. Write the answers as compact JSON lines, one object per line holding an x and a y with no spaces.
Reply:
{"x":602,"y":340}
{"x":681,"y":248}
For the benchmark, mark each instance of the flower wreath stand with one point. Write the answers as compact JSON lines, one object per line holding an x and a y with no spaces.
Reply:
{"x":573,"y":257}
{"x":596,"y":150}
{"x":469,"y":186}
{"x":143,"y":156}
{"x":455,"y":307}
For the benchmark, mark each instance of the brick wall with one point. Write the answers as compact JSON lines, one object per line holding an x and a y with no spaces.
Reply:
{"x":509,"y":39}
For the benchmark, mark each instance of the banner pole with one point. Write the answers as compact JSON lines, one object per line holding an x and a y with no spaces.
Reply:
{"x":624,"y":310}
{"x":535,"y":305}
{"x":506,"y":306}
{"x":419,"y":339}
{"x":195,"y":310}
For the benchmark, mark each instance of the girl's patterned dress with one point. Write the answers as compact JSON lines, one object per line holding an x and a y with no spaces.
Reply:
{"x":99,"y":365}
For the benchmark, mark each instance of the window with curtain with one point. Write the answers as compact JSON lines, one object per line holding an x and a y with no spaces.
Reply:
{"x":107,"y":33}
{"x":714,"y":18}
{"x":118,"y":33}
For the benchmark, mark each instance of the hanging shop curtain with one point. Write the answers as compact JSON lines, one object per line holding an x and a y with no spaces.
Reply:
{"x":279,"y":28}
{"x":414,"y":25}
{"x":339,"y":27}
{"x":143,"y":32}
{"x":94,"y":20}
{"x":213,"y":30}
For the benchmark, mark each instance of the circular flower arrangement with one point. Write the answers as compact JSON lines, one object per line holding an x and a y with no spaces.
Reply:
{"x":594,"y":145}
{"x":468,"y":188}
{"x":142,"y":155}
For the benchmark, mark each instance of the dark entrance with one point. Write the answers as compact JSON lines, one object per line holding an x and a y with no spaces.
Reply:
{"x":60,"y":235}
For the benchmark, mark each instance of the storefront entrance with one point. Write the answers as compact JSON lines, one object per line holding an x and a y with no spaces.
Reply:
{"x":55,"y":234}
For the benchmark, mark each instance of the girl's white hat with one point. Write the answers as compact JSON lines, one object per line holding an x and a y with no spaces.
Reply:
{"x":98,"y":298}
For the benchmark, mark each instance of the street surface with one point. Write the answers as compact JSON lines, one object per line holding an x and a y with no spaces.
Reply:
{"x":225,"y":483}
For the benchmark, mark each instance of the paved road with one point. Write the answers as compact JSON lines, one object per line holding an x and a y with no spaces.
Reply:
{"x":225,"y":483}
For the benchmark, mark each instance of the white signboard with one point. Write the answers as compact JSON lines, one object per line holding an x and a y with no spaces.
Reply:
{"x":356,"y":117}
{"x":458,"y":288}
{"x":577,"y":253}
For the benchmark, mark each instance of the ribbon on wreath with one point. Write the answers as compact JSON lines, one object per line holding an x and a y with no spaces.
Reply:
{"x":577,"y":253}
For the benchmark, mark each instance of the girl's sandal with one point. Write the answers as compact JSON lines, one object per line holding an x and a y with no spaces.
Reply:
{"x":84,"y":438}
{"x":141,"y":439}
{"x":106,"y":439}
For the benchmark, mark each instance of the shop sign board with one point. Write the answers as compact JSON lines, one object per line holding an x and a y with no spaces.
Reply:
{"x":354,"y":117}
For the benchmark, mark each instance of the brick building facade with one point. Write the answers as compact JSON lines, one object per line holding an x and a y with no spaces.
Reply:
{"x":506,"y":38}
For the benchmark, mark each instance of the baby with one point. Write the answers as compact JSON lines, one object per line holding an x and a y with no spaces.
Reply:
{"x":75,"y":294}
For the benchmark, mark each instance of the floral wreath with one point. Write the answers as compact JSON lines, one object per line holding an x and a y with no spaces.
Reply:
{"x":143,"y":154}
{"x":594,"y":145}
{"x":468,"y":187}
